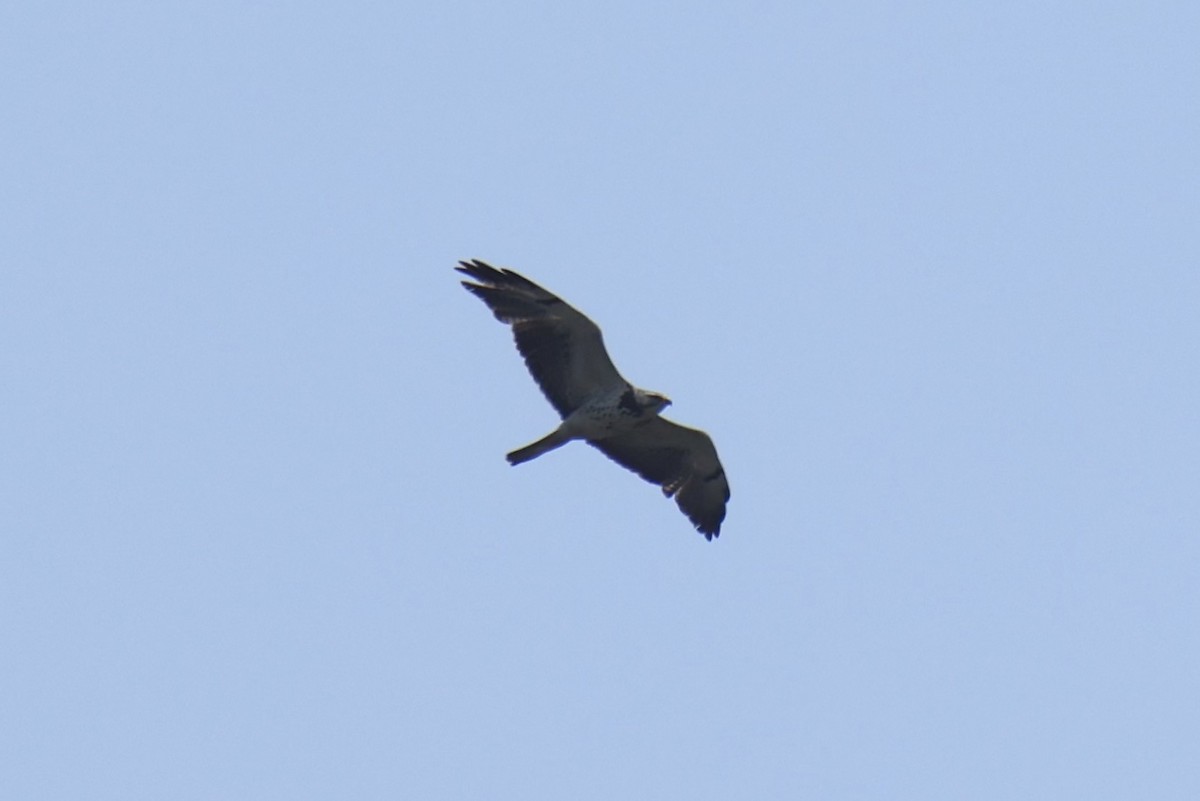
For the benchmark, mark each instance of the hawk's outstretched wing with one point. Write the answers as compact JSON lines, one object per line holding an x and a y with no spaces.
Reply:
{"x":681,"y":460}
{"x":562,"y":348}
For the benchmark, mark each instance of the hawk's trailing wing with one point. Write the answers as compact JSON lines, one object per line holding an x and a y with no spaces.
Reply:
{"x":681,"y":460}
{"x":561,"y":346}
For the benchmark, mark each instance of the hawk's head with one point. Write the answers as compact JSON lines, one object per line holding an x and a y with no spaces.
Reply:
{"x":652,"y":402}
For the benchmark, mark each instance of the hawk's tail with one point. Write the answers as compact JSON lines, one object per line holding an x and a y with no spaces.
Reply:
{"x":555,"y":439}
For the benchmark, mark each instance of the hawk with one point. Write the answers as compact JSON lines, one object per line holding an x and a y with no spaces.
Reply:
{"x":565,"y":354}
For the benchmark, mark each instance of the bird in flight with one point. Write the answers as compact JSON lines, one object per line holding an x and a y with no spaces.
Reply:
{"x":565,"y":354}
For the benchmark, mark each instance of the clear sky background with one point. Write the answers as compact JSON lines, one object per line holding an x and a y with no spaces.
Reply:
{"x":928,"y":273}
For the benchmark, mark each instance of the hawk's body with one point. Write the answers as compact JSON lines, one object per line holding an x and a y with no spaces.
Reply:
{"x":565,"y":353}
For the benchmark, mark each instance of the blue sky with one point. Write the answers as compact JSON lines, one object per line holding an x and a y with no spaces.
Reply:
{"x":928,"y":273}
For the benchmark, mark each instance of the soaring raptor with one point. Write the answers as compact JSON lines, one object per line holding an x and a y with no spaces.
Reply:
{"x":565,"y":353}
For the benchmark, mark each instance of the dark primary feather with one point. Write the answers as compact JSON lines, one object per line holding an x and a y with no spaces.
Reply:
{"x":562,"y":348}
{"x":682,"y":461}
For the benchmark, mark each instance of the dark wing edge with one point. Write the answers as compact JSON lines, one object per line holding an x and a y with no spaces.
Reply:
{"x":562,"y":347}
{"x":682,"y":461}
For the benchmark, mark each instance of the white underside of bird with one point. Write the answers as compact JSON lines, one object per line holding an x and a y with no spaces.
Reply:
{"x":602,"y":416}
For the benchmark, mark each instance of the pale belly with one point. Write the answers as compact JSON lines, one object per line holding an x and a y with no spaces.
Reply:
{"x":601,"y":420}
